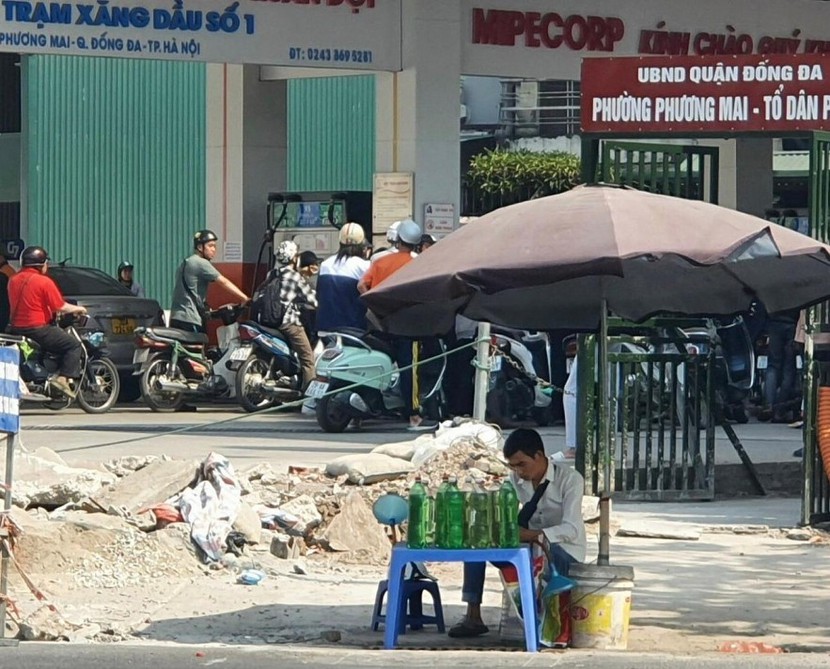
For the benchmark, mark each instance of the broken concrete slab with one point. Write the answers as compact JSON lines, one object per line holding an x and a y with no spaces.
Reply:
{"x":248,"y":524}
{"x":355,"y":528}
{"x":44,"y":481}
{"x":652,"y":530}
{"x":285,"y":547}
{"x":799,"y":534}
{"x":364,"y":469}
{"x":305,"y":509}
{"x":590,"y":508}
{"x":146,"y":487}
{"x":126,"y":465}
{"x":46,"y":625}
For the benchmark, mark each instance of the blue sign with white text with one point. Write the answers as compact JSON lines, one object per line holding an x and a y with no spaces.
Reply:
{"x":9,"y":389}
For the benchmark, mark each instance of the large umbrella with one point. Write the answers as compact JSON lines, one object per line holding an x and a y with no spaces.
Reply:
{"x":565,"y":261}
{"x":551,"y":262}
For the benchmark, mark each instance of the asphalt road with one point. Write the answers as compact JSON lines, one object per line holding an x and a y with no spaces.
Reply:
{"x":281,"y":438}
{"x":48,"y":656}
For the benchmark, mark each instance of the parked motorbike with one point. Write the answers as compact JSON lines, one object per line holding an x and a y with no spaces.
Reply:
{"x":519,"y":360}
{"x":98,"y":387}
{"x":355,"y":357}
{"x":175,"y":365}
{"x":270,"y":373}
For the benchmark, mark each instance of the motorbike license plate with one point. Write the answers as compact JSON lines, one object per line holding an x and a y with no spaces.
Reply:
{"x":140,"y":355}
{"x":122,"y":326}
{"x":317,"y":389}
{"x":242,"y":353}
{"x":762,"y":362}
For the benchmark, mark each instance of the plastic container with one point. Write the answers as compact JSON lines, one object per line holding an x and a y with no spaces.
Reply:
{"x":480,"y":519}
{"x":601,"y":606}
{"x":441,"y":514}
{"x":456,"y":516}
{"x":416,"y":536}
{"x":508,"y":516}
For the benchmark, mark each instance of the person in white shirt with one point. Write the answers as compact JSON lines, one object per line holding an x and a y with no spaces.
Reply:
{"x":551,"y":497}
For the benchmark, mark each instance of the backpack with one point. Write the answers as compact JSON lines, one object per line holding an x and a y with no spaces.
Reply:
{"x":266,"y":307}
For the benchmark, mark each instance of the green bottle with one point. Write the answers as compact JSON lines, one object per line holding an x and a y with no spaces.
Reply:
{"x":430,"y":520}
{"x":480,"y":519}
{"x":456,"y":512}
{"x":442,"y":514}
{"x":418,"y":515}
{"x":508,"y":516}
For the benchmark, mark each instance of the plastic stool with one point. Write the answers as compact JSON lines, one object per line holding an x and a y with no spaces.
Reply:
{"x":413,"y":591}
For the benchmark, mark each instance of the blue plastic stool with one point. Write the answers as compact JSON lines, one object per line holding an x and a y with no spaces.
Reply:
{"x":412,"y":597}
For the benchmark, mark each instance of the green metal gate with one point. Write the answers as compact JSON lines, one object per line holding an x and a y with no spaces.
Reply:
{"x":690,"y":172}
{"x":815,"y":506}
{"x":662,"y":422}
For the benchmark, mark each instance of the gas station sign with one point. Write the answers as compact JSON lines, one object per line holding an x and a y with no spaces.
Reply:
{"x":658,"y":95}
{"x":345,"y":34}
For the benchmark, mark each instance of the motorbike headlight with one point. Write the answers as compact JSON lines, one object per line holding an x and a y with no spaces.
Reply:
{"x":95,"y":339}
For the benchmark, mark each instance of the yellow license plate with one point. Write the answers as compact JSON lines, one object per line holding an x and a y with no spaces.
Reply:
{"x":123,"y":326}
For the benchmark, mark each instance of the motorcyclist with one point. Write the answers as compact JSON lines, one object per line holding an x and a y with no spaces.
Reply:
{"x":125,"y":278}
{"x":295,"y":294}
{"x":35,"y":299}
{"x":340,"y":305}
{"x":189,"y":305}
{"x":392,"y":238}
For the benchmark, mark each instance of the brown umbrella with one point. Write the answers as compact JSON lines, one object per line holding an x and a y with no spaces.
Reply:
{"x":565,"y":261}
{"x":551,"y":262}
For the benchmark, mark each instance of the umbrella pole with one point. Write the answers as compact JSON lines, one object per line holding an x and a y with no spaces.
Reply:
{"x":604,"y":441}
{"x":482,"y":372}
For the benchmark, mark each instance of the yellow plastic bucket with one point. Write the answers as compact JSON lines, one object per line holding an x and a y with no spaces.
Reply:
{"x":601,"y":606}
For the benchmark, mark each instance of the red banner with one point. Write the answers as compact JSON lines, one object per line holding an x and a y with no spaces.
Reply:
{"x":774,"y":93}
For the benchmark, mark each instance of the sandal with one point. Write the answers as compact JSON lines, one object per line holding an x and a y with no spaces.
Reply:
{"x":467,"y":629}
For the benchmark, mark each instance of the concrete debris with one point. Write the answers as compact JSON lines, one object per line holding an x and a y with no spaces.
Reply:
{"x":332,"y":636}
{"x":248,"y":524}
{"x":304,"y":508}
{"x":402,"y":449}
{"x":799,"y":534}
{"x":301,"y":568}
{"x":365,"y":469}
{"x":45,"y":481}
{"x":590,"y":508}
{"x":651,"y":530}
{"x":736,"y":529}
{"x":150,"y":485}
{"x":355,"y":528}
{"x":464,"y":459}
{"x":46,"y":625}
{"x":285,"y":547}
{"x":128,"y":464}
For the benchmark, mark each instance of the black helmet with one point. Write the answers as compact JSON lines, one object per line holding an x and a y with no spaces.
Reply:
{"x":34,"y":256}
{"x":203,"y":237}
{"x":125,"y":264}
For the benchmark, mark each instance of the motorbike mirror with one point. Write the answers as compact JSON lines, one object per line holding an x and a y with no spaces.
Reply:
{"x":275,"y":197}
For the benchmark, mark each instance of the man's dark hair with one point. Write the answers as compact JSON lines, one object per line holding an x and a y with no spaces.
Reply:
{"x":524,"y":440}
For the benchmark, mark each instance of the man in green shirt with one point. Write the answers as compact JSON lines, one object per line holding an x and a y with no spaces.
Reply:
{"x":193,"y":277}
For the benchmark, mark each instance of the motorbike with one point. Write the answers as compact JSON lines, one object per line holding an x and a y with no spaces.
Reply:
{"x":175,"y":365}
{"x":363,"y":358}
{"x":270,"y":372}
{"x":99,"y":385}
{"x":519,"y":360}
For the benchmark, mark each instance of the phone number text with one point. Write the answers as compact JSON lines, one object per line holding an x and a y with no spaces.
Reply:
{"x":315,"y":54}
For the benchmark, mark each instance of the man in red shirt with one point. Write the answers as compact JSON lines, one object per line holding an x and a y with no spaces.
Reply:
{"x":35,"y":300}
{"x":409,"y":237}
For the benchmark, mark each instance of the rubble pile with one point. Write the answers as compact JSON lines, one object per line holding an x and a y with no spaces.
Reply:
{"x":466,"y":459}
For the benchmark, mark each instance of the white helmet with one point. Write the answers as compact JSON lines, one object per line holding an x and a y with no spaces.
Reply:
{"x":409,"y":232}
{"x":392,"y":232}
{"x":352,"y":234}
{"x":286,"y":252}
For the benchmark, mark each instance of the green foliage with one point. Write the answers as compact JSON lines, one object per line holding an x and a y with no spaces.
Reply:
{"x":523,"y":175}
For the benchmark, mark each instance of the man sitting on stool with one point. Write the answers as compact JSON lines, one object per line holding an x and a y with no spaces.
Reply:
{"x":551,"y":497}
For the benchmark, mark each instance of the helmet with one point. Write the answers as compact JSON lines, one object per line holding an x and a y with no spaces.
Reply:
{"x":427,"y":239}
{"x":351,"y":234}
{"x":392,"y":232}
{"x":203,"y":237}
{"x":125,"y":264}
{"x":34,"y":256}
{"x":409,"y":232}
{"x":286,"y":252}
{"x":308,"y":258}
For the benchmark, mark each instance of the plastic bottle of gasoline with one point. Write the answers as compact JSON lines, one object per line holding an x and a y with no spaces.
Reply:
{"x":456,"y":513}
{"x":480,"y":519}
{"x":418,"y":515}
{"x":442,"y":514}
{"x":508,"y":516}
